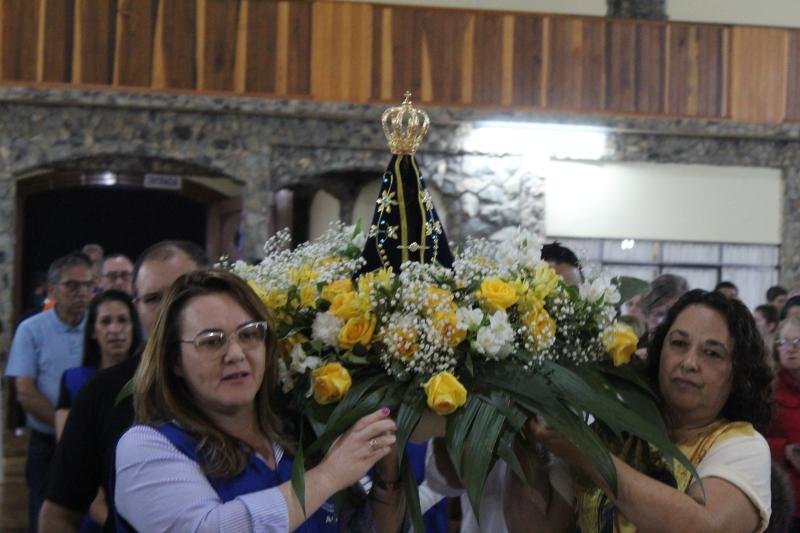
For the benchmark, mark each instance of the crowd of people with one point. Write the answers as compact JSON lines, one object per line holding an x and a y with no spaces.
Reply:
{"x":150,"y":392}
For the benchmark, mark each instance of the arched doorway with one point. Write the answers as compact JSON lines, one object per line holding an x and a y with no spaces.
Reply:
{"x":61,"y":210}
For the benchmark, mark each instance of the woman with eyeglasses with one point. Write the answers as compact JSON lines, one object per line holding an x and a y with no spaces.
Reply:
{"x":112,"y":335}
{"x":784,"y":433}
{"x":209,"y":451}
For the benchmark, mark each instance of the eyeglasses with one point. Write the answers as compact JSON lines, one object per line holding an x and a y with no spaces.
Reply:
{"x":213,"y":344}
{"x":74,"y":286}
{"x":122,"y":275}
{"x":785,"y":343}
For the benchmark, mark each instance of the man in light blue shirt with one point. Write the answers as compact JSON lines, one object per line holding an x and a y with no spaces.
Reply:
{"x":44,"y":346}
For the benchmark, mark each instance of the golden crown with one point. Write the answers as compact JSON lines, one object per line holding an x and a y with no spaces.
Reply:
{"x":405,"y":139}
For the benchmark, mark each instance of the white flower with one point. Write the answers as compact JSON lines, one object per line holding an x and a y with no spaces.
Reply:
{"x":326,"y":328}
{"x":496,"y":339}
{"x":359,"y":240}
{"x":600,"y":288}
{"x":301,"y":361}
{"x":468,"y":318}
{"x":285,"y":376}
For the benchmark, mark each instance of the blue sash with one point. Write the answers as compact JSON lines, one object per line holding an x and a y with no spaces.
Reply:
{"x":256,"y":476}
{"x":74,"y":378}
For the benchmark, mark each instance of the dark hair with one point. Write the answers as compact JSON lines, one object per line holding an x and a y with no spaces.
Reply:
{"x":165,"y":250}
{"x":726,"y":285}
{"x":91,"y":348}
{"x":161,"y":396}
{"x":558,"y":253}
{"x":769,"y":313}
{"x":794,"y":301}
{"x":70,"y":260}
{"x":663,"y":289}
{"x":751,"y":386}
{"x":775,"y":291}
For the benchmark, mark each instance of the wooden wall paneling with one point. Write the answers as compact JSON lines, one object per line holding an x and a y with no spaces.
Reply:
{"x":298,"y":76}
{"x":621,"y":48}
{"x":487,"y":78}
{"x":380,"y":48}
{"x":563,"y":76}
{"x":221,"y":19}
{"x":793,"y":76}
{"x":710,"y":79}
{"x":682,"y":70}
{"x":406,"y":53}
{"x":576,"y":77}
{"x":593,"y":69}
{"x":443,"y":49}
{"x":527,"y":68}
{"x":176,"y":47}
{"x":362,"y":46}
{"x":56,"y":57}
{"x":650,"y":68}
{"x":19,"y":34}
{"x":323,"y":75}
{"x":758,"y":74}
{"x":262,"y":20}
{"x":134,"y":48}
{"x":95,"y":41}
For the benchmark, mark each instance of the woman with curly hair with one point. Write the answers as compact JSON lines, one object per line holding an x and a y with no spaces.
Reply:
{"x":706,"y":360}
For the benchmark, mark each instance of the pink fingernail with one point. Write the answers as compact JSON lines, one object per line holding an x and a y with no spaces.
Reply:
{"x":386,"y":411}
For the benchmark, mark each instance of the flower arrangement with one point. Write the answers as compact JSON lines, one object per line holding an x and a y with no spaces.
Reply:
{"x":486,"y":344}
{"x":479,"y":341}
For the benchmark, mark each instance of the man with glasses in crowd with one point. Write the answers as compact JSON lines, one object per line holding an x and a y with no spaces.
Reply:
{"x":117,"y":273}
{"x":84,"y":458}
{"x":44,"y":346}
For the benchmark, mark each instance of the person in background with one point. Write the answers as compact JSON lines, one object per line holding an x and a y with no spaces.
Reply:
{"x":95,"y":254}
{"x":44,"y":346}
{"x":564,"y":262}
{"x":783,"y":434}
{"x":112,"y":335}
{"x":664,"y":291}
{"x":728,"y":289}
{"x":766,"y":318}
{"x":36,"y":300}
{"x":84,"y":457}
{"x":776,"y":297}
{"x":117,"y":273}
{"x":791,"y":308}
{"x":633,"y":307}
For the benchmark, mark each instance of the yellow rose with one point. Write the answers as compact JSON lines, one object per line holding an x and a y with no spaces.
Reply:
{"x":445,"y":393}
{"x":308,"y":295}
{"x":405,"y":342}
{"x":541,"y":328}
{"x":446,"y":324}
{"x":348,"y":305}
{"x":331,"y":290}
{"x":545,"y":280}
{"x":331,"y":383}
{"x":437,"y":298}
{"x":620,"y":342}
{"x":496,"y":295}
{"x":357,"y":330}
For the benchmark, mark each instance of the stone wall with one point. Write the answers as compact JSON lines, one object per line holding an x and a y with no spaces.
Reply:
{"x":270,"y":144}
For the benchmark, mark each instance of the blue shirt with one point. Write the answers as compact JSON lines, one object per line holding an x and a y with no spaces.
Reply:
{"x":43,"y":348}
